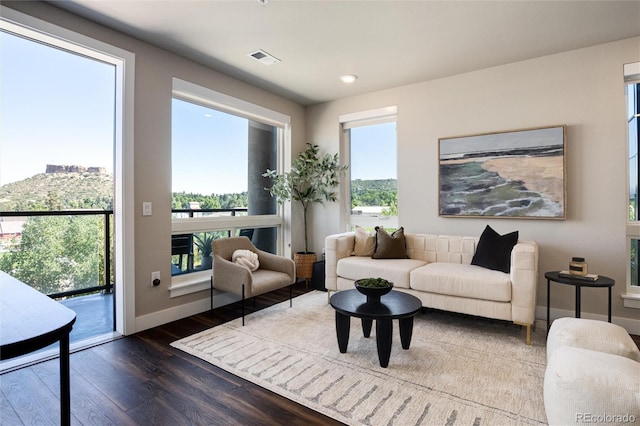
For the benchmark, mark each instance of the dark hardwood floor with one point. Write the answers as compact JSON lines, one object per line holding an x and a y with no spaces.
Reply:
{"x":141,"y":380}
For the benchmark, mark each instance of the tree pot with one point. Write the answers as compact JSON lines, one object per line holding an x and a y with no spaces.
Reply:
{"x":304,"y":264}
{"x":207,"y":262}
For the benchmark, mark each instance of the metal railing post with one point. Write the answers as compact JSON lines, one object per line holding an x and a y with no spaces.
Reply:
{"x":107,"y":254}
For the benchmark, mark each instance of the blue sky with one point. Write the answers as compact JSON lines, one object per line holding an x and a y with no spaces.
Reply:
{"x":58,"y":108}
{"x":500,"y":141}
{"x":373,"y":152}
{"x":55,"y":108}
{"x":209,"y":150}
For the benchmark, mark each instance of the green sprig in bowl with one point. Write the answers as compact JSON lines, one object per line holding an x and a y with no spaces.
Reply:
{"x":373,"y":288}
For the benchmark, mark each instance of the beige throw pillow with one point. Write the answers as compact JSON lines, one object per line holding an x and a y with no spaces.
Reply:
{"x":365,"y":242}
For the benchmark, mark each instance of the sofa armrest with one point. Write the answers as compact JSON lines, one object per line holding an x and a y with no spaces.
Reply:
{"x":524,"y":281}
{"x":336,"y":247}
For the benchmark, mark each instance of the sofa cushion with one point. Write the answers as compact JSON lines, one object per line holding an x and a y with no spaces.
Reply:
{"x":494,"y":250}
{"x":462,"y":280}
{"x":591,"y":334}
{"x":395,"y":270}
{"x":391,"y":246}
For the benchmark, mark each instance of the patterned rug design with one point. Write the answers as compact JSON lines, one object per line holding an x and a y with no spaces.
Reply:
{"x":459,"y":369}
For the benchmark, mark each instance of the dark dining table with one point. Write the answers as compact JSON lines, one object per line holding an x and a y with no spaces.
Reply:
{"x":30,"y":320}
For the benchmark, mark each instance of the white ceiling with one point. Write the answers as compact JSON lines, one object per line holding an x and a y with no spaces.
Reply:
{"x":386,"y":43}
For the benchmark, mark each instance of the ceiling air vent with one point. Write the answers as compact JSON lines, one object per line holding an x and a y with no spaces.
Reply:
{"x":262,"y":56}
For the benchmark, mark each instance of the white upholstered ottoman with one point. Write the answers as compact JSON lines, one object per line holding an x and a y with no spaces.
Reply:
{"x":591,"y":334}
{"x":592,"y":375}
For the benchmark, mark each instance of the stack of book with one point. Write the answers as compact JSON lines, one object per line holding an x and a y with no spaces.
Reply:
{"x":588,"y":277}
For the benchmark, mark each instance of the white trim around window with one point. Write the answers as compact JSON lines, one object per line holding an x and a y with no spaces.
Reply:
{"x":347,"y":122}
{"x":631,"y":298}
{"x":190,"y":92}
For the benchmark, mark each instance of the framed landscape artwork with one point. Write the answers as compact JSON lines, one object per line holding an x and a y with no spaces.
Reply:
{"x":515,"y":174}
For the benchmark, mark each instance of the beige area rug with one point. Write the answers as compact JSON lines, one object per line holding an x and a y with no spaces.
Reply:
{"x":459,"y":370}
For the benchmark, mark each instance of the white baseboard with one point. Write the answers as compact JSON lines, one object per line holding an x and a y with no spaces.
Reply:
{"x":220,"y":298}
{"x":631,"y":325}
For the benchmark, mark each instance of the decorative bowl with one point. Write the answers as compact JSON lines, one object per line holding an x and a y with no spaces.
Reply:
{"x":373,"y":288}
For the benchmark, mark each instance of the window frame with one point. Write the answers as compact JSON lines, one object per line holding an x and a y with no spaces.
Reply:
{"x":632,"y":295}
{"x":190,"y":92}
{"x":349,"y":121}
{"x":123,"y":204}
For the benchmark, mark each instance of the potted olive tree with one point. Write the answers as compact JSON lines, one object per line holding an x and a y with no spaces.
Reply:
{"x":312,"y":179}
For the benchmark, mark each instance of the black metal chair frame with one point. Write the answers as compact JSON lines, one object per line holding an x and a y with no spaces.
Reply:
{"x":182,"y":244}
{"x":253,"y":298}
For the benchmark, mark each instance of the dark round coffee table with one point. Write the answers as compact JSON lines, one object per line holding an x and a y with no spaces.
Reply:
{"x":394,"y":305}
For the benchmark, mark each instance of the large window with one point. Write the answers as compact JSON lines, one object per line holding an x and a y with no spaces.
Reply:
{"x":221,"y":146}
{"x":50,"y":162}
{"x":216,"y":156}
{"x":66,"y":163}
{"x":632,"y":79}
{"x":371,"y":151}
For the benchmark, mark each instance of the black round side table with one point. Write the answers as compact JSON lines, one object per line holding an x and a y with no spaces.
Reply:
{"x":578,"y":283}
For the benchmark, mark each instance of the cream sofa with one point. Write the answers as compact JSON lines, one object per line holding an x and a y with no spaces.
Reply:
{"x":592,"y":375}
{"x":439,"y":273}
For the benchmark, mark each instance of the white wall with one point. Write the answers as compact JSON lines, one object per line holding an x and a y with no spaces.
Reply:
{"x":582,"y":89}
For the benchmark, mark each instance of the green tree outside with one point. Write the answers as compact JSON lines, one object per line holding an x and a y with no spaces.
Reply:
{"x":58,"y":253}
{"x":382,"y":192}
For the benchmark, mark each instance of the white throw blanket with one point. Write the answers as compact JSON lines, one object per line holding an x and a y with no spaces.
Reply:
{"x":246,"y":258}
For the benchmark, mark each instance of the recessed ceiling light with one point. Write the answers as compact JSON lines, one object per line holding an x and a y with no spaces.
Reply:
{"x":348,"y":78}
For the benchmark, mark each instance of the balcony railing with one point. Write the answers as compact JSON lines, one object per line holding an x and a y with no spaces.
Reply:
{"x":104,"y":281}
{"x":178,"y":213}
